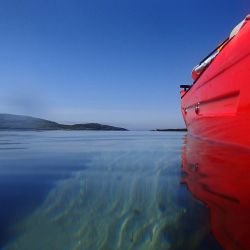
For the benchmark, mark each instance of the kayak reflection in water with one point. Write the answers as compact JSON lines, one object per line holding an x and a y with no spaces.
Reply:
{"x":219,"y":176}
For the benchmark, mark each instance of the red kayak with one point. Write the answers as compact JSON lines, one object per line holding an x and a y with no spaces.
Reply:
{"x":219,"y":176}
{"x":217,"y":105}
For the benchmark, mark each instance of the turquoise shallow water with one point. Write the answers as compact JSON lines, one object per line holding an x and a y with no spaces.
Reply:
{"x":97,"y":190}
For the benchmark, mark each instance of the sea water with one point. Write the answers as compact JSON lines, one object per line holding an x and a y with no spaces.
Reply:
{"x":98,"y":190}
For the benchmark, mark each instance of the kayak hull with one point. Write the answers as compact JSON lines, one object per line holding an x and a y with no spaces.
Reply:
{"x":217,"y":106}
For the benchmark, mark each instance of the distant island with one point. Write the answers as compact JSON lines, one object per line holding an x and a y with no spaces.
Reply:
{"x":20,"y":122}
{"x":171,"y":130}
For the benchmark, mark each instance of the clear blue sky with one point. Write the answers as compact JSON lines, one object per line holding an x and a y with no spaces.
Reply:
{"x":117,"y":62}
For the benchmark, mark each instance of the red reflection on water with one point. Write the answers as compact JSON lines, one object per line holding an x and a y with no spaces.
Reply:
{"x":219,"y":176}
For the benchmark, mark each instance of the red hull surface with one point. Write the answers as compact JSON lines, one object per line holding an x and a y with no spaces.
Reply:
{"x":217,"y":106}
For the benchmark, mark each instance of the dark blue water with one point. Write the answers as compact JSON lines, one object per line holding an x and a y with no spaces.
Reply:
{"x":98,"y":190}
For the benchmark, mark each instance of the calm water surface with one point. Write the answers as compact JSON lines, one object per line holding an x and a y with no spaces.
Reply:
{"x":119,"y":190}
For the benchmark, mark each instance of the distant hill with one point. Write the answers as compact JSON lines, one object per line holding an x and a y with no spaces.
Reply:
{"x":171,"y":130}
{"x":20,"y":122}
